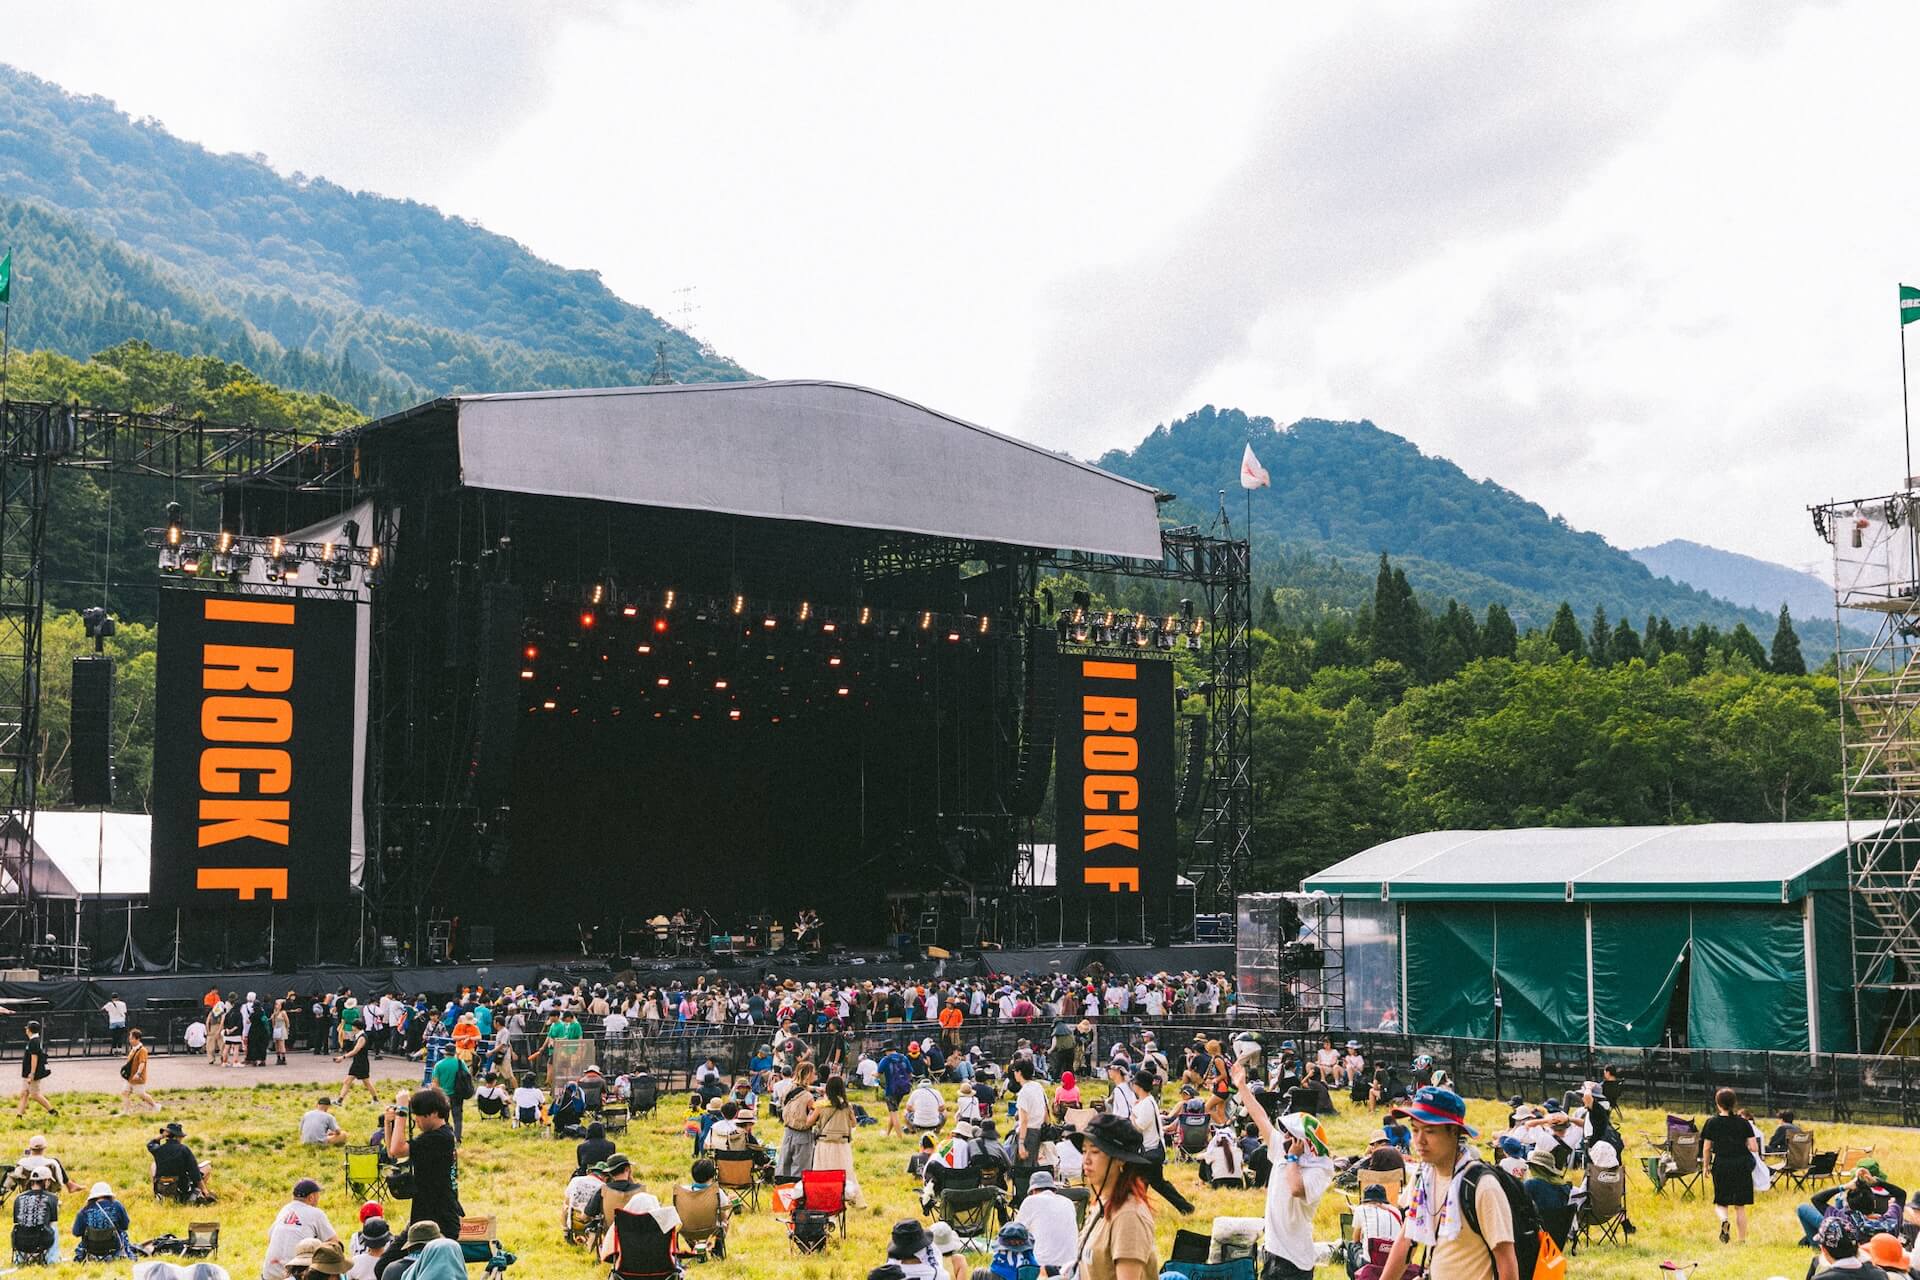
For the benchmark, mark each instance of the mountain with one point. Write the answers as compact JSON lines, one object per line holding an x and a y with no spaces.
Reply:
{"x":1741,"y":579}
{"x":1344,"y":492}
{"x":343,"y":287}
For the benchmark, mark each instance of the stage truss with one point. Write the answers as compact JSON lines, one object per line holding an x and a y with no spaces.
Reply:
{"x":1876,"y":592}
{"x":36,"y":437}
{"x":1220,"y":570}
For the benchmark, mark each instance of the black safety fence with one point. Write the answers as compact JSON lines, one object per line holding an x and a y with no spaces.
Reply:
{"x":1837,"y":1087}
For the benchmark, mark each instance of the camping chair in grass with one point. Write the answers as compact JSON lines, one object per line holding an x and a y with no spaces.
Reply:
{"x":638,"y":1248}
{"x":579,"y":1227}
{"x":1798,"y":1157}
{"x":1604,"y":1210}
{"x":736,"y":1178}
{"x":825,"y":1191}
{"x":366,"y":1176}
{"x":1823,"y":1168}
{"x":703,"y":1222}
{"x":1195,"y":1130}
{"x":480,"y":1242}
{"x":809,"y":1230}
{"x":972,"y":1213}
{"x":1390,"y":1179}
{"x":1685,"y":1172}
{"x":203,"y":1240}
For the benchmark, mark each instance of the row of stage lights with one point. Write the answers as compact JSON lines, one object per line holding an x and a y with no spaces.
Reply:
{"x":1117,"y":629}
{"x":601,"y":602}
{"x":223,"y":555}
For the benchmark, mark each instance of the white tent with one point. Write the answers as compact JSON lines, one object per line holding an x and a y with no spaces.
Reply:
{"x":91,"y":854}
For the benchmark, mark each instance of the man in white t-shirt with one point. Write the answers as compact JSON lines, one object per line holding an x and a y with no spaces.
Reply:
{"x":926,"y":1109}
{"x":1301,"y":1175}
{"x":301,"y":1219}
{"x":1051,"y":1218}
{"x":319,"y":1128}
{"x":1029,"y":1113}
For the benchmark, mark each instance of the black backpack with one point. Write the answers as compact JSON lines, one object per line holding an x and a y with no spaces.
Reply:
{"x":462,"y":1081}
{"x":1526,"y":1222}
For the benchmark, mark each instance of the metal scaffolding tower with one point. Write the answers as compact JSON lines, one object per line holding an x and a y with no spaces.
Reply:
{"x":1877,"y":596}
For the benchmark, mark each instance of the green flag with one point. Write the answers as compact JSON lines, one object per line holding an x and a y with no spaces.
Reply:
{"x":1909,"y":296}
{"x":6,"y":283}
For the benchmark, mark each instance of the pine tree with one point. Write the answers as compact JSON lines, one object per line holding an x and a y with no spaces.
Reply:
{"x":1600,"y":638}
{"x":1564,"y":632}
{"x":1396,"y":619}
{"x":1743,"y":643}
{"x":1498,"y":638}
{"x":1626,"y":643}
{"x":1785,"y":658}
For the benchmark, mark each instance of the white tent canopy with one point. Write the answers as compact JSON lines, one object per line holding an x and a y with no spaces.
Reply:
{"x":91,"y":854}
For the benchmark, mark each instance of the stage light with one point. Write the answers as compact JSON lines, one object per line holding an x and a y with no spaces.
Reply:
{"x":526,"y":673}
{"x":663,"y":682}
{"x":659,"y":626}
{"x":190,"y":562}
{"x":629,"y":610}
{"x":770,"y":623}
{"x":739,"y":605}
{"x":1186,"y":609}
{"x":734,"y":714}
{"x":597,"y":594}
{"x":643,"y":648}
{"x":834,"y":661}
{"x":719,"y":684}
{"x":174,"y":527}
{"x":667,"y":601}
{"x":866,"y":614}
{"x":806,"y":610}
{"x":289,"y":568}
{"x":548,"y":704}
{"x":828,"y":628}
{"x":373,"y":575}
{"x":352,"y":529}
{"x":842,"y":691}
{"x":926,"y":620}
{"x":532,"y":653}
{"x":953,"y":637}
{"x":587,"y":619}
{"x":983,"y":624}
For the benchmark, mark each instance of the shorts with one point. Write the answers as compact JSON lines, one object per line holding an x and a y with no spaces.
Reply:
{"x":30,"y":1086}
{"x":894,"y":1100}
{"x":1275,"y":1267}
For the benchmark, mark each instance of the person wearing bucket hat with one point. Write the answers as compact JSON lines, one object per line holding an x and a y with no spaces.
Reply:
{"x":951,"y":1249}
{"x":1883,"y":1250}
{"x":1552,"y":1198}
{"x":1012,"y":1251}
{"x":1053,"y":1221}
{"x":374,"y":1242}
{"x":1301,"y":1175}
{"x":102,"y":1212}
{"x":911,"y":1249}
{"x":1465,"y":1239}
{"x":1121,"y":1244}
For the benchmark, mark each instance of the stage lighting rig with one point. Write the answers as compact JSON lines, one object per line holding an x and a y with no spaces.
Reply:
{"x":224,"y":557}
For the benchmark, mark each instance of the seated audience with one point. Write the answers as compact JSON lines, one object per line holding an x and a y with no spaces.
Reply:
{"x":36,"y":1218}
{"x":101,"y":1213}
{"x":172,"y":1158}
{"x":1052,"y":1222}
{"x":301,"y":1218}
{"x":319,"y":1128}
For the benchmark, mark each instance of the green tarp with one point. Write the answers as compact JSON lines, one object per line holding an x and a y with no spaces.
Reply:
{"x":1541,"y":958}
{"x":1749,"y":986}
{"x":1637,"y":951}
{"x":1449,"y":961}
{"x":1833,"y":964}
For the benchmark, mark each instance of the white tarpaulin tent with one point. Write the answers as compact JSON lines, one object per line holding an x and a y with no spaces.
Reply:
{"x":91,"y":855}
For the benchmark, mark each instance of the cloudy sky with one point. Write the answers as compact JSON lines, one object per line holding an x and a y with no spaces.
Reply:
{"x":1634,"y":260}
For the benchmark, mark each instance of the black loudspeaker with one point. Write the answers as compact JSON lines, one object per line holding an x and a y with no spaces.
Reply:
{"x":1034,"y":767}
{"x":1193,"y":777}
{"x":92,"y":731}
{"x":496,"y":704}
{"x":480,"y":943}
{"x":969,"y":932}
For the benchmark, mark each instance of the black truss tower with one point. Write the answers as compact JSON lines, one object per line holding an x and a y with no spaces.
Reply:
{"x":1221,"y":569}
{"x":35,"y":438}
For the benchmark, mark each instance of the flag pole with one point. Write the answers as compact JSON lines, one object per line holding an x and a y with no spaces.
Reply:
{"x":1906,"y":419}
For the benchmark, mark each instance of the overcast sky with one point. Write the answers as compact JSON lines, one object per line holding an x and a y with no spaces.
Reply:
{"x":1634,"y":260}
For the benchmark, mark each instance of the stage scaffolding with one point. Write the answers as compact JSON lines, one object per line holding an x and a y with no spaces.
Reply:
{"x":1877,"y":659}
{"x":37,"y":437}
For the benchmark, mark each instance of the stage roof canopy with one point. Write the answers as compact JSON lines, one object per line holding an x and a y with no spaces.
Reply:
{"x":1706,"y":862}
{"x":89,"y":854}
{"x":821,"y":452}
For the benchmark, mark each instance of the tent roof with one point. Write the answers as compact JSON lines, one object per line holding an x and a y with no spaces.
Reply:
{"x":820,"y":452}
{"x":90,"y":854}
{"x":1711,"y":862}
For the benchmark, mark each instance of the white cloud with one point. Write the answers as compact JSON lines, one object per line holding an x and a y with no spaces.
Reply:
{"x":1634,"y":260}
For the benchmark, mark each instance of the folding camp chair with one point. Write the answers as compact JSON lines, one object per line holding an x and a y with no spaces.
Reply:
{"x":825,"y":1191}
{"x":643,"y":1094}
{"x":972,"y":1213}
{"x":579,"y":1227}
{"x":1391,"y":1179}
{"x":1078,"y":1118}
{"x":1081,"y":1197}
{"x":1236,"y":1269}
{"x":1656,"y":1170}
{"x":736,"y":1178}
{"x":614,"y":1116}
{"x":203,"y":1240}
{"x":167,"y":1187}
{"x":1195,"y":1131}
{"x":479,"y":1239}
{"x":1798,"y":1159}
{"x":366,"y":1176}
{"x":638,"y":1248}
{"x":1685,"y":1171}
{"x":1604,"y":1210}
{"x":1851,"y":1158}
{"x":703,"y":1225}
{"x":1822,"y":1169}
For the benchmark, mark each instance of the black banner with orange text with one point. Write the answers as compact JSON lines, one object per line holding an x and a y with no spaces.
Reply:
{"x":1114,"y":829}
{"x":253,"y":749}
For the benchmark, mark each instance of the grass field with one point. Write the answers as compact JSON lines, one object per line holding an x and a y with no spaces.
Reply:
{"x":250,"y":1135}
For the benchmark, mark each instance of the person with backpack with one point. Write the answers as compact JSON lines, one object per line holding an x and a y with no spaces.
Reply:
{"x":895,"y":1070}
{"x":1475,"y":1220}
{"x":1301,"y":1175}
{"x":455,"y":1079}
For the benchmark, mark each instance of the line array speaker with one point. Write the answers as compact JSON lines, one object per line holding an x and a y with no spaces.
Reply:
{"x":496,"y":707}
{"x":92,"y":731}
{"x":1193,"y":777}
{"x":1035,"y":765}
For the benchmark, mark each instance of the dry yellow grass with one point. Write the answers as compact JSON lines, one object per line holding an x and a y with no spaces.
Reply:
{"x":251,"y":1136}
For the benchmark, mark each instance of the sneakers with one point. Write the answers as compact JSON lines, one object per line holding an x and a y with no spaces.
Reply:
{"x":1725,"y":1231}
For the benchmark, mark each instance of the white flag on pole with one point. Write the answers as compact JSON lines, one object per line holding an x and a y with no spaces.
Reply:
{"x":1252,"y":474}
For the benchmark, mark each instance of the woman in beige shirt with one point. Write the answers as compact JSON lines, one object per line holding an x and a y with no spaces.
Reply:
{"x":833,"y":1135}
{"x":1119,"y":1245}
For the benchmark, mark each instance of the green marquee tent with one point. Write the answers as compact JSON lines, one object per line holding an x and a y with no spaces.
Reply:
{"x":1717,"y":936}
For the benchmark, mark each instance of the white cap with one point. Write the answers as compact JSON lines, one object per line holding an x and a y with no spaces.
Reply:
{"x":100,"y":1191}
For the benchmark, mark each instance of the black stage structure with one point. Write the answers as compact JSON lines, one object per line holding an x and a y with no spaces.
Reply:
{"x":752,"y":645}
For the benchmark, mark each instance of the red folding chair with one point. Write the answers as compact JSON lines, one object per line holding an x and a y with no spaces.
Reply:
{"x":825,"y":1191}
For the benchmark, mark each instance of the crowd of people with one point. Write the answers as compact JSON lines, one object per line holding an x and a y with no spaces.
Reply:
{"x":1076,"y":1107}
